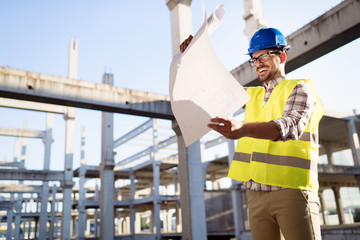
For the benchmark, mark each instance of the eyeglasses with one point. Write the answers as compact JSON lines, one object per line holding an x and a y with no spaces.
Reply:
{"x":262,"y":58}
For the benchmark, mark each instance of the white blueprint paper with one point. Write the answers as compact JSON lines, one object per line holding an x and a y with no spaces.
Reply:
{"x":201,"y":87}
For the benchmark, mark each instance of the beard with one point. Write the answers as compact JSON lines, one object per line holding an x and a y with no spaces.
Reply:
{"x":267,"y":74}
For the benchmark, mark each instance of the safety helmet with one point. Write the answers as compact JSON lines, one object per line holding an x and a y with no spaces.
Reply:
{"x":267,"y":38}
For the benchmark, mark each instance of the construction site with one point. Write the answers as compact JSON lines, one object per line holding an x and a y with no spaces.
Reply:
{"x":165,"y":190}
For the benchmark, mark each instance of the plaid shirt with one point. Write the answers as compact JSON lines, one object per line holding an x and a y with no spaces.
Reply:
{"x":297,"y":112}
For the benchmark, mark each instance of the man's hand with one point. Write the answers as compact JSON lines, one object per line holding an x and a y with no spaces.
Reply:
{"x":229,"y":128}
{"x":185,"y":43}
{"x":234,"y":129}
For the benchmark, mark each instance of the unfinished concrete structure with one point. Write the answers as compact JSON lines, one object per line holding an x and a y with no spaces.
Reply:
{"x":149,"y":183}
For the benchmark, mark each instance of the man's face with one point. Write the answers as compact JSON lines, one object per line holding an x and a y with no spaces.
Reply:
{"x":267,"y":64}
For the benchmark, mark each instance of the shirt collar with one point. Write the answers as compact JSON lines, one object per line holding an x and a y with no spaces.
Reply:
{"x":273,"y":83}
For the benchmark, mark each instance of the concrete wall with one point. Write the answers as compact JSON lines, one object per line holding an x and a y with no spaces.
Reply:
{"x":341,"y":232}
{"x":219,"y":211}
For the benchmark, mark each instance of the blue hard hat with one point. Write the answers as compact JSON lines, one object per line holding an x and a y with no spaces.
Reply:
{"x":267,"y":38}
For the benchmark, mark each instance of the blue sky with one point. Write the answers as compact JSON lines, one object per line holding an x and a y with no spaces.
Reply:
{"x":132,"y":40}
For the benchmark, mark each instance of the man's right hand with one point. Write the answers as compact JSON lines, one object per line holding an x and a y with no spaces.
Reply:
{"x":185,"y":43}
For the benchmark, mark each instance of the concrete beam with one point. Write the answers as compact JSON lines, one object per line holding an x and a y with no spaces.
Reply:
{"x":23,"y":85}
{"x":34,"y":106}
{"x":5,"y":205}
{"x":326,"y":33}
{"x":36,"y":175}
{"x":20,"y":188}
{"x":14,"y":132}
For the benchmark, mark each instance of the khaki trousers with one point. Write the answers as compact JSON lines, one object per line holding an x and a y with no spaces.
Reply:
{"x":291,"y":212}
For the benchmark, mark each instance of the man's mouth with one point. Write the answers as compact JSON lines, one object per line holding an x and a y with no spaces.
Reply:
{"x":262,"y":70}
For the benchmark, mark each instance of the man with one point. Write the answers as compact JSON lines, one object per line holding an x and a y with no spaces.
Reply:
{"x":277,"y":151}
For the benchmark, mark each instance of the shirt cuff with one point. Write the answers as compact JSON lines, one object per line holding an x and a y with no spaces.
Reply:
{"x":281,"y":123}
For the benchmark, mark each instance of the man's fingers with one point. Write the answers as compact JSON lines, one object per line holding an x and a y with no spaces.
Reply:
{"x":185,"y":43}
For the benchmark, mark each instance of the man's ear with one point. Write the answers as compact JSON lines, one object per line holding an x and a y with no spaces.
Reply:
{"x":283,"y":57}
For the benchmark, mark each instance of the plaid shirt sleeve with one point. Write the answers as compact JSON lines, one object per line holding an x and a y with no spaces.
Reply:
{"x":297,"y":112}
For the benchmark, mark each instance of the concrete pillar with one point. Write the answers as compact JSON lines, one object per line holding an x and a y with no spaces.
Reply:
{"x":53,"y":213}
{"x":82,"y":191}
{"x":323,"y":208}
{"x":137,"y":223}
{"x":354,"y":140}
{"x":157,"y":201}
{"x":73,"y":231}
{"x":73,"y":58}
{"x":339,"y":206}
{"x":168,"y":220}
{"x":29,"y":229}
{"x":18,"y":208}
{"x":9,"y":216}
{"x":67,"y":185}
{"x":181,"y":26}
{"x":88,"y":226}
{"x":132,"y":209}
{"x":96,"y":227}
{"x":329,"y":154}
{"x":191,"y":188}
{"x":25,"y":201}
{"x":96,"y":214}
{"x":107,"y":171}
{"x":237,"y":199}
{"x":45,"y":186}
{"x":23,"y":147}
{"x":16,"y":150}
{"x":128,"y":224}
{"x":156,"y":181}
{"x":36,"y":221}
{"x":253,"y":17}
{"x":177,"y":207}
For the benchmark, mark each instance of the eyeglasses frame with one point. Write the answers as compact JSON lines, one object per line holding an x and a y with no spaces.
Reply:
{"x":253,"y":60}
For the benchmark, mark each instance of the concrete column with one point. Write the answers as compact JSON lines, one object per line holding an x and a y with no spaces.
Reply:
{"x":237,"y":200}
{"x":88,"y":226}
{"x":177,"y":207}
{"x":323,"y":208}
{"x":96,"y":218}
{"x":53,"y":213}
{"x":23,"y":147}
{"x":45,"y":186}
{"x":168,"y":217}
{"x":73,"y":226}
{"x":253,"y":17}
{"x":156,"y":182}
{"x":192,"y":189}
{"x":96,"y":215}
{"x":25,"y":205}
{"x":67,"y":185}
{"x":9,"y":216}
{"x":16,"y":150}
{"x":339,"y":207}
{"x":43,"y":210}
{"x":18,"y":208}
{"x":73,"y":58}
{"x":128,"y":224}
{"x":329,"y":154}
{"x":35,"y":224}
{"x":82,"y":191}
{"x":157,"y":201}
{"x":107,"y":171}
{"x":181,"y":26}
{"x":354,"y":141}
{"x":29,"y":229}
{"x":132,"y":210}
{"x":137,"y":223}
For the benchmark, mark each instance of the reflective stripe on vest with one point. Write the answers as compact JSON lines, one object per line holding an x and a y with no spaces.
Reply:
{"x":292,"y":163}
{"x":274,"y":159}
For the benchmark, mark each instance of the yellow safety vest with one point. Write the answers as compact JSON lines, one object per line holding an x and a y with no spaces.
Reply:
{"x":290,"y":164}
